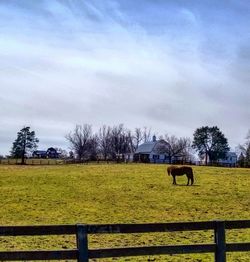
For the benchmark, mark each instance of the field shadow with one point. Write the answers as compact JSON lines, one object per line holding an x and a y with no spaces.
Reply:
{"x":186,"y":185}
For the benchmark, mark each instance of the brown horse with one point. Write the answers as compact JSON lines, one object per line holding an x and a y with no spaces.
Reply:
{"x":180,"y":171}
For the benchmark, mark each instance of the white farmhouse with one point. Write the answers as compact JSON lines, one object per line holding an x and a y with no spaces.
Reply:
{"x":148,"y":152}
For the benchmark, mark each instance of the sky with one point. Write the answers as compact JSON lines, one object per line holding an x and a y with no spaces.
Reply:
{"x":170,"y":65}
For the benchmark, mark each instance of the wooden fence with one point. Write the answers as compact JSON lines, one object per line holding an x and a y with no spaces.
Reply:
{"x":32,"y":161}
{"x":82,"y":252}
{"x":51,"y":161}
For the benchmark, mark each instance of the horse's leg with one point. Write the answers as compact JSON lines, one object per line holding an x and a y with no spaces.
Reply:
{"x":188,"y":180}
{"x":174,"y":180}
{"x":192,"y":180}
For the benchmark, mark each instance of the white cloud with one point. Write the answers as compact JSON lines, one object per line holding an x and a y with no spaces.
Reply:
{"x":76,"y":62}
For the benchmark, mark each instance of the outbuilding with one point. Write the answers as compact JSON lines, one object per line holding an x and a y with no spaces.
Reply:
{"x":148,"y":152}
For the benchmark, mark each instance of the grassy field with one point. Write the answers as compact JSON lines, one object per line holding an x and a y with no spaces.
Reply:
{"x":132,"y":193}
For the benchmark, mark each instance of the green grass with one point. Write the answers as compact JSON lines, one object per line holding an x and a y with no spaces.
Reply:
{"x":34,"y":195}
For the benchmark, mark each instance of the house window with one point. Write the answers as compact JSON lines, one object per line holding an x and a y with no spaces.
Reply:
{"x":156,"y":157}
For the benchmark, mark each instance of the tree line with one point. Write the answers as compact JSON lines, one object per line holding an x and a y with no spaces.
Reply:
{"x":114,"y":142}
{"x":109,"y":143}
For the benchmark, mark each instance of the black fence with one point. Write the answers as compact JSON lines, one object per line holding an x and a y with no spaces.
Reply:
{"x":82,"y":252}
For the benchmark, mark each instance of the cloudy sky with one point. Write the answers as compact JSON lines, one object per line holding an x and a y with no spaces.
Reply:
{"x":171,"y":65}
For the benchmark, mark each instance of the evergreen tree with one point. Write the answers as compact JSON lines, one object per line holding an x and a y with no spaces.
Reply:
{"x":25,"y":142}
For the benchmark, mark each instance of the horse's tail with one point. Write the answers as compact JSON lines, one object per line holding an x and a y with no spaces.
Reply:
{"x":169,"y":171}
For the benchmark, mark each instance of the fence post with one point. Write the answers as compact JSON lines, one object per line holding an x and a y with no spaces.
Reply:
{"x":220,"y":241}
{"x":82,"y":242}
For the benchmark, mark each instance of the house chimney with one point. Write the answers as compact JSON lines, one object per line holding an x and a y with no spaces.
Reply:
{"x":154,"y":138}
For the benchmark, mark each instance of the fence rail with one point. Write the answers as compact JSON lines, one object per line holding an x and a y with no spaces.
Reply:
{"x":82,"y":253}
{"x":52,"y":161}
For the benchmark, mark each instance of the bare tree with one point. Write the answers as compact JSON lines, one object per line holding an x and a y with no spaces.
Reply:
{"x":188,"y":152}
{"x":146,"y":133}
{"x":71,"y":154}
{"x":104,"y":141}
{"x":110,"y":142}
{"x":120,"y":142}
{"x":116,"y":141}
{"x":175,"y":147}
{"x":93,"y":147}
{"x":136,"y":138}
{"x":244,"y":150}
{"x":80,"y":141}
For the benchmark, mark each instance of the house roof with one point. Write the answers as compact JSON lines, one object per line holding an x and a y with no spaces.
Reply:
{"x":40,"y":152}
{"x":51,"y":149}
{"x":146,"y":147}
